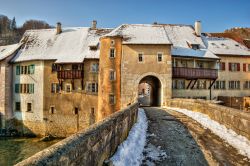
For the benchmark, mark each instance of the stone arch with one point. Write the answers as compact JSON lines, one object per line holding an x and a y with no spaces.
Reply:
{"x":156,"y":82}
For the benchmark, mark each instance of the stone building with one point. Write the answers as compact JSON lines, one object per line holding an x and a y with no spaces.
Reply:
{"x":6,"y":53}
{"x":55,"y":80}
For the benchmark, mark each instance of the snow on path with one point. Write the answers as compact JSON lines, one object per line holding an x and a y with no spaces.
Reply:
{"x":130,"y":151}
{"x":241,"y":143}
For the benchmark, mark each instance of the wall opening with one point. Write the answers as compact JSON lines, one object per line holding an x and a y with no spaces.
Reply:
{"x":149,"y":91}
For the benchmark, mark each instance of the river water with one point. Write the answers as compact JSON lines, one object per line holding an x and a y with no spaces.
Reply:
{"x":14,"y":150}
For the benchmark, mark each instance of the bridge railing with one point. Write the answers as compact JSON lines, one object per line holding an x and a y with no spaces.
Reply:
{"x":89,"y":147}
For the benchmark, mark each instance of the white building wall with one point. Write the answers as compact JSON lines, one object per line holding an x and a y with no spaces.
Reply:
{"x":36,"y":98}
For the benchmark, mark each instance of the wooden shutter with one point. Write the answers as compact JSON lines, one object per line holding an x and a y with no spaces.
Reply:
{"x":238,"y":66}
{"x":244,"y":67}
{"x":223,"y":66}
{"x":17,"y":70}
{"x":230,"y":66}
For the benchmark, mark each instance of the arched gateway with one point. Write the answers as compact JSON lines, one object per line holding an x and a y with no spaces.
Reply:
{"x":150,"y":91}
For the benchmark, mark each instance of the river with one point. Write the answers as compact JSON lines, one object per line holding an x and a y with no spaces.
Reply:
{"x":14,"y":150}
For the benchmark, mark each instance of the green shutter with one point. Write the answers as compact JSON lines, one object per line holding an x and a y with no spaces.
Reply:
{"x":18,"y":70}
{"x":31,"y":88}
{"x":31,"y":69}
{"x":17,"y":88}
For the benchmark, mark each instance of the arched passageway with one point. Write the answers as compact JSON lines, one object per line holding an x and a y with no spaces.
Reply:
{"x":149,"y":91}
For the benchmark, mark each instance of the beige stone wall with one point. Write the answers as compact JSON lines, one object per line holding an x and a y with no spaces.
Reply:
{"x":64,"y":122}
{"x":222,"y":76}
{"x":132,"y":71}
{"x":234,"y":119}
{"x":94,"y":145}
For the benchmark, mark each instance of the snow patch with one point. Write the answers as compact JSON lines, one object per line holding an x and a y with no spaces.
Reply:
{"x":153,"y":154}
{"x":130,"y":151}
{"x":241,"y":143}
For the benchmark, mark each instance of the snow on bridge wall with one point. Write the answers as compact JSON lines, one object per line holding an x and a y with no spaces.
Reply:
{"x":91,"y":146}
{"x":234,"y":119}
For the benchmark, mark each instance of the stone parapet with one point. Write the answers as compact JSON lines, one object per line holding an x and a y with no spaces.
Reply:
{"x":91,"y":146}
{"x":234,"y":119}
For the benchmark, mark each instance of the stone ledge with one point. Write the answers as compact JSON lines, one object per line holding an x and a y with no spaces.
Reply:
{"x":234,"y":119}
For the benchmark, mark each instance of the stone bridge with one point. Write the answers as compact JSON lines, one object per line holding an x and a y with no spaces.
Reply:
{"x":183,"y":139}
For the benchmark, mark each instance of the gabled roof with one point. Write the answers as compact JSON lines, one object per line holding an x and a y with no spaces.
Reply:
{"x":225,"y":46}
{"x":6,"y":51}
{"x":141,"y":34}
{"x":70,"y":46}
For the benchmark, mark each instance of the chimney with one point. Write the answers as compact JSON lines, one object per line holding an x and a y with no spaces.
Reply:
{"x":94,"y":22}
{"x":58,"y":28}
{"x":197,"y":27}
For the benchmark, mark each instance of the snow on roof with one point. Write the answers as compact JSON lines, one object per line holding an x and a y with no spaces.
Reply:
{"x":141,"y":34}
{"x":225,"y":46}
{"x":70,"y":46}
{"x":187,"y":52}
{"x":181,"y":35}
{"x":6,"y":51}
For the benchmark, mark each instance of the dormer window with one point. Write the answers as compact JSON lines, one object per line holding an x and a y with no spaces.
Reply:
{"x":195,"y":46}
{"x":93,"y":47}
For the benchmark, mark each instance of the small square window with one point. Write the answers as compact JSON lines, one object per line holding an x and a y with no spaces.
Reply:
{"x":112,"y":53}
{"x":18,"y":106}
{"x":112,"y":42}
{"x":76,"y":110}
{"x":112,"y":75}
{"x":159,"y":57}
{"x":29,"y":107}
{"x":111,"y":99}
{"x":68,"y":88}
{"x":52,"y":110}
{"x":140,"y":57}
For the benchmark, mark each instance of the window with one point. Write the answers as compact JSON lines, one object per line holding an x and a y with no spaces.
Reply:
{"x":55,"y":67}
{"x":178,"y":84}
{"x":76,"y":67}
{"x":247,"y":85}
{"x":201,"y":84}
{"x":112,"y":53}
{"x":112,"y":42}
{"x":220,"y":85}
{"x":159,"y":57}
{"x":200,"y":65}
{"x":92,"y":87}
{"x":76,"y":110}
{"x":17,"y":88}
{"x":234,"y":85}
{"x":246,"y":67}
{"x":29,"y":107}
{"x":18,"y":106}
{"x":52,"y":110}
{"x":111,"y":99}
{"x":31,"y":88}
{"x":95,"y":67}
{"x":183,"y":63}
{"x":55,"y":88}
{"x":195,"y":46}
{"x":140,"y":57}
{"x":234,"y":66}
{"x":31,"y":69}
{"x":68,"y":88}
{"x":112,"y":75}
{"x":222,"y":66}
{"x":18,"y":70}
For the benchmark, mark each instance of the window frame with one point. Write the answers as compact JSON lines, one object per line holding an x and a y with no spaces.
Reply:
{"x":19,"y":106}
{"x":142,"y":56}
{"x":113,"y":101}
{"x":160,"y":53}
{"x":27,"y":107}
{"x":110,"y":53}
{"x":112,"y":75}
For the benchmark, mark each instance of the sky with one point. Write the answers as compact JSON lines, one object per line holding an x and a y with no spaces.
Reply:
{"x":215,"y":15}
